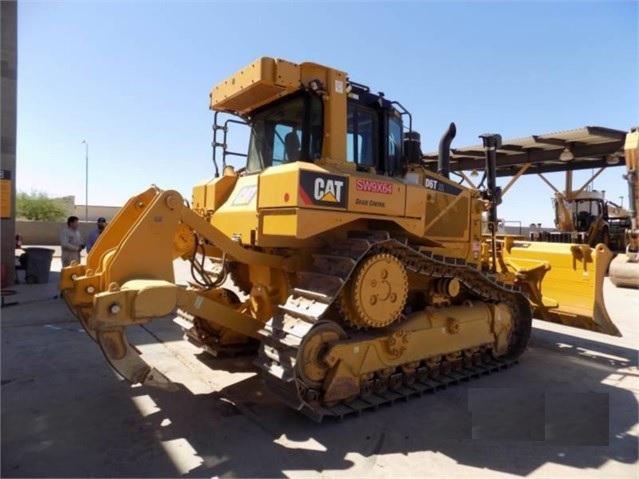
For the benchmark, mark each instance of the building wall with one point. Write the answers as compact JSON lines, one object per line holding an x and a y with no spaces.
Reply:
{"x":46,"y":233}
{"x":8,"y":80}
{"x":95,"y":212}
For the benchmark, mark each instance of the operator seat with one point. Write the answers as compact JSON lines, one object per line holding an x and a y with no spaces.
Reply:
{"x":583,"y":221}
{"x":292,"y":146}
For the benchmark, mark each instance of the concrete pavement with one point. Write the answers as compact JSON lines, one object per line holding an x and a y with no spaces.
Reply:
{"x":23,"y":293}
{"x":569,"y":410}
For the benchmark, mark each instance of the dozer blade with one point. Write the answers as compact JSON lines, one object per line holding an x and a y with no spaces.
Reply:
{"x":624,"y":270}
{"x":564,"y":282}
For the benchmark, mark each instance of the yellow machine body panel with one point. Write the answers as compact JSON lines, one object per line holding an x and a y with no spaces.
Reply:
{"x":237,"y":217}
{"x":415,"y":201}
{"x":631,"y":153}
{"x":448,"y":209}
{"x":624,"y":270}
{"x":378,"y":196}
{"x":210,"y":195}
{"x":261,"y":82}
{"x":299,"y":201}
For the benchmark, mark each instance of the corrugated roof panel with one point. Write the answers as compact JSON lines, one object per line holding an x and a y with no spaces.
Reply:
{"x":591,"y":146}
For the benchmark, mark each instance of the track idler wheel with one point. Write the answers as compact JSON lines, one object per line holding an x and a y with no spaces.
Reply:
{"x":310,"y":364}
{"x":377,"y":292}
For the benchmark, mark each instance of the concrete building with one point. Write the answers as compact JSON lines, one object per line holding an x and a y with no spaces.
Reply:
{"x":8,"y":107}
{"x":95,"y":212}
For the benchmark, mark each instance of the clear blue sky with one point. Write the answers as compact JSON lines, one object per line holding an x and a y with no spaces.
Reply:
{"x":133,"y":78}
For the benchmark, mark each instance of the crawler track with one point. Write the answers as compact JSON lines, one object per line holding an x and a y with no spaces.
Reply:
{"x":315,"y":296}
{"x":423,"y":384}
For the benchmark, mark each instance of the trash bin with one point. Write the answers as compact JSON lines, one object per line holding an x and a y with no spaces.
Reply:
{"x":37,"y":264}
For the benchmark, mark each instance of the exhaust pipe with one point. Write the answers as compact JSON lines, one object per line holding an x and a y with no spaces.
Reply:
{"x":493,"y":192}
{"x":443,"y":162}
{"x":491,"y":144}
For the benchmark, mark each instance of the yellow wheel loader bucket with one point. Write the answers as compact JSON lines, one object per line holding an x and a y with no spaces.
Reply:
{"x":564,"y":281}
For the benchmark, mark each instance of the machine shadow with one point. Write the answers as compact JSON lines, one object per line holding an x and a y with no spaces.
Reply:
{"x":111,"y":429}
{"x":438,"y":423}
{"x":597,"y":352}
{"x":64,"y":412}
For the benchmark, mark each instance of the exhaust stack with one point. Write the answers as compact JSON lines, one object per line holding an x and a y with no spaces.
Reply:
{"x":443,"y":162}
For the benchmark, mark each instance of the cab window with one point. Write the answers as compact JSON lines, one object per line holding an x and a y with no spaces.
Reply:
{"x":288,"y":131}
{"x":361,"y":137}
{"x":395,"y":144}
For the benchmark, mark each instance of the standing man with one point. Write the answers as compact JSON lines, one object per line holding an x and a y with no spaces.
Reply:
{"x":93,"y":236}
{"x":71,"y":242}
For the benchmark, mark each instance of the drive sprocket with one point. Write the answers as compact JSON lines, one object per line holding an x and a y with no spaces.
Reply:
{"x":376,"y":294}
{"x":239,"y":274}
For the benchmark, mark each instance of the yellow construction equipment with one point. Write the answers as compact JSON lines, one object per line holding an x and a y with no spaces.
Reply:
{"x":624,"y":269}
{"x":366,"y":276}
{"x":590,"y":219}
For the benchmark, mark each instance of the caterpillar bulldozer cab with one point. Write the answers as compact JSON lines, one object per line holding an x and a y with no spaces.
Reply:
{"x":364,"y":275}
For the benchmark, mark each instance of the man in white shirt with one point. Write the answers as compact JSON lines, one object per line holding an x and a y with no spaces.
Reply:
{"x":71,"y":242}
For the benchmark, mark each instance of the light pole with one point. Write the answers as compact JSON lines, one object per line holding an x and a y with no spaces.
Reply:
{"x":621,"y":199}
{"x":86,"y":181}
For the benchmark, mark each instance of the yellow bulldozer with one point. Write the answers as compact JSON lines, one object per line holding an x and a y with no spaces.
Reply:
{"x":359,"y":276}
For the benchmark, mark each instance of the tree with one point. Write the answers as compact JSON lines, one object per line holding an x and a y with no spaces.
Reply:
{"x":37,"y":206}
